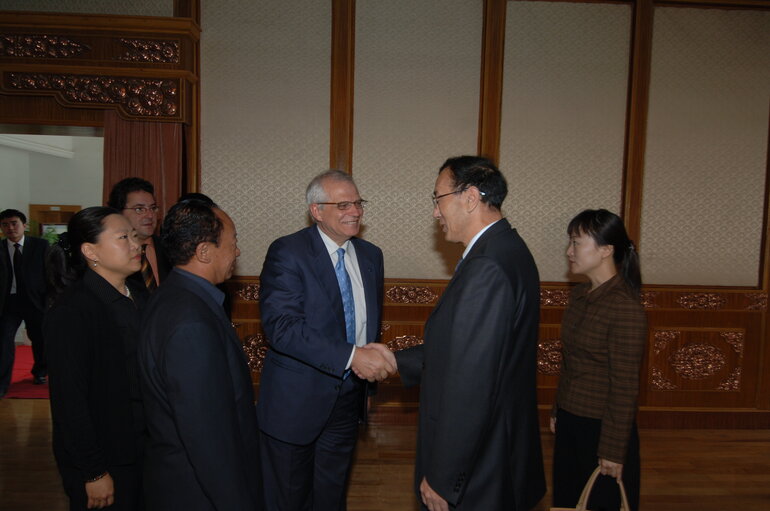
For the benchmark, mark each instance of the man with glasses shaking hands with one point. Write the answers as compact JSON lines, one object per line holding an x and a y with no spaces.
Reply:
{"x":135,"y":199}
{"x":321,"y":304}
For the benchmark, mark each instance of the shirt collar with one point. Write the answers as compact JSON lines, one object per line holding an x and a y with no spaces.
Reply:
{"x":208,"y":287}
{"x":20,"y":242}
{"x":476,"y":237}
{"x":330,"y":244}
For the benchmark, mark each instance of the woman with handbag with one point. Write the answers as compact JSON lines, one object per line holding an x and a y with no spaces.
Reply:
{"x":604,"y":330}
{"x":91,"y":334}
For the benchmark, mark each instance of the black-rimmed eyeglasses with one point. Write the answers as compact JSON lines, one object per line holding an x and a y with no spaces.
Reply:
{"x":141,"y":210}
{"x":345,"y":205}
{"x":436,"y":198}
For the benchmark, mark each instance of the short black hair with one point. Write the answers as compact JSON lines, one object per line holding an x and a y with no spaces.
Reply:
{"x":10,"y":213}
{"x":119,"y":193}
{"x":187,"y":224}
{"x":479,"y":172}
{"x":197,"y":196}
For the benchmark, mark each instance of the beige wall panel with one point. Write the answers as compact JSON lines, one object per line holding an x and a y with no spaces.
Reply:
{"x":132,"y":8}
{"x":416,"y":103}
{"x":562,"y":134}
{"x":706,"y":155}
{"x":265,"y":105}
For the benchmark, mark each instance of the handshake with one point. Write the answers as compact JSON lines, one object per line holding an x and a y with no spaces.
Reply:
{"x":373,"y":362}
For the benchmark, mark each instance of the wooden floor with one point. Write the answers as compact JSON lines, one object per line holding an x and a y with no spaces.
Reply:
{"x":703,"y":470}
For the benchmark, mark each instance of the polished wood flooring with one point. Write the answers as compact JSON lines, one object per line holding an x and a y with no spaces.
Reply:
{"x":703,"y":470}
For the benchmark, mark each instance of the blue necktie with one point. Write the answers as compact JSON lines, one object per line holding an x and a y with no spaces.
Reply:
{"x":346,"y":290}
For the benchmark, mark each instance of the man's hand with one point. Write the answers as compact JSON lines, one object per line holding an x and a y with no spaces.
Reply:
{"x":431,"y":499}
{"x":101,"y":493}
{"x":610,"y":468}
{"x":373,"y":362}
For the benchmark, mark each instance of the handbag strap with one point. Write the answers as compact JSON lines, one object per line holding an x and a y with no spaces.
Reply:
{"x":582,"y":504}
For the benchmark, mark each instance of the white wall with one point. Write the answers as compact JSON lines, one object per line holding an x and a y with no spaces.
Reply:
{"x":14,"y":179}
{"x":30,"y":177}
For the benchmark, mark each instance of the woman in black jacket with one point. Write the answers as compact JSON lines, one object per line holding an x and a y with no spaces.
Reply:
{"x":91,"y":333}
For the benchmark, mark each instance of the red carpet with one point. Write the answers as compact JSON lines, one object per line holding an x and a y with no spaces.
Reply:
{"x":21,"y":380}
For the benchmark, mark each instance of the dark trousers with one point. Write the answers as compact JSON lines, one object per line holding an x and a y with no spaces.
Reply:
{"x":574,"y":460}
{"x":17,"y":310}
{"x":314,"y":476}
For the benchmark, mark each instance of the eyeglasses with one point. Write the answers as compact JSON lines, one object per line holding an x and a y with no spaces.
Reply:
{"x":435,"y":198}
{"x":345,"y":205}
{"x":141,"y":210}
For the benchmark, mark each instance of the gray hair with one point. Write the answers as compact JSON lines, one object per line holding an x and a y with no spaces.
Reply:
{"x":315,"y":190}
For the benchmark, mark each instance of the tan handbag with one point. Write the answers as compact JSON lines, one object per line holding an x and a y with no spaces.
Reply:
{"x":582,"y":504}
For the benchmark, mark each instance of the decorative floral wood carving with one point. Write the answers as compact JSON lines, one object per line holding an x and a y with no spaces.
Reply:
{"x":255,"y":347}
{"x":659,"y":382}
{"x":757,"y":301}
{"x":554,"y":297}
{"x":249,"y":292}
{"x":40,"y":46}
{"x":696,"y":361}
{"x":648,"y":299}
{"x":150,"y":50}
{"x":663,"y":337}
{"x":733,"y":381}
{"x":549,"y":356}
{"x":403,"y":341}
{"x":410,"y":294}
{"x":143,"y":97}
{"x":693,"y":301}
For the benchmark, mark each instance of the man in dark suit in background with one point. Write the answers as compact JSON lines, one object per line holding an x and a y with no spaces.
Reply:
{"x":203,"y":450}
{"x":24,"y":290}
{"x":135,"y":199}
{"x":321,"y":305}
{"x":479,"y":437}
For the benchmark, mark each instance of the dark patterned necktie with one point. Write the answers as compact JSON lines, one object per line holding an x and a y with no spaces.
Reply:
{"x":147,"y":275}
{"x":17,"y":262}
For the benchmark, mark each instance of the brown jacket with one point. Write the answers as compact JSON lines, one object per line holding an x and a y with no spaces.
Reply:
{"x":603,"y":336}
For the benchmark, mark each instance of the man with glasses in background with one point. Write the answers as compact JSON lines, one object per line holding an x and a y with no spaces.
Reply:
{"x":135,"y":199}
{"x":321,"y":292}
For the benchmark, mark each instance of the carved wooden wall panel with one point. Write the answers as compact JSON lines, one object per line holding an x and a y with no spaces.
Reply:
{"x":144,"y":68}
{"x":703,"y":353}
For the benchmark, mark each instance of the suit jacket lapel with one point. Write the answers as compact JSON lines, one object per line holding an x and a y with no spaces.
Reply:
{"x":500,"y":226}
{"x":324,"y":272}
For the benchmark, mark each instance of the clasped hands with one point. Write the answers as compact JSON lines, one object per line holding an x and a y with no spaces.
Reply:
{"x":373,"y":362}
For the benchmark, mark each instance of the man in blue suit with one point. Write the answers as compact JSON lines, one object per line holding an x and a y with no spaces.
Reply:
{"x":321,"y":305}
{"x":203,"y":448}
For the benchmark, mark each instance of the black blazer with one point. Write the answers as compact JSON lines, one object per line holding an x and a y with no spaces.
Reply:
{"x":33,"y":269}
{"x":479,"y":437}
{"x":164,"y":267}
{"x":203,"y":451}
{"x":91,"y":333}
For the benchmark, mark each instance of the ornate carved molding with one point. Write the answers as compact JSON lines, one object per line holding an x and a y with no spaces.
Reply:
{"x":663,"y":337}
{"x":694,"y":301}
{"x":554,"y":297}
{"x":410,"y":294}
{"x":549,"y":356}
{"x":40,"y":46}
{"x":403,"y":341}
{"x":142,"y":97}
{"x":150,"y":50}
{"x":696,"y":361}
{"x":757,"y":301}
{"x":249,"y":292}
